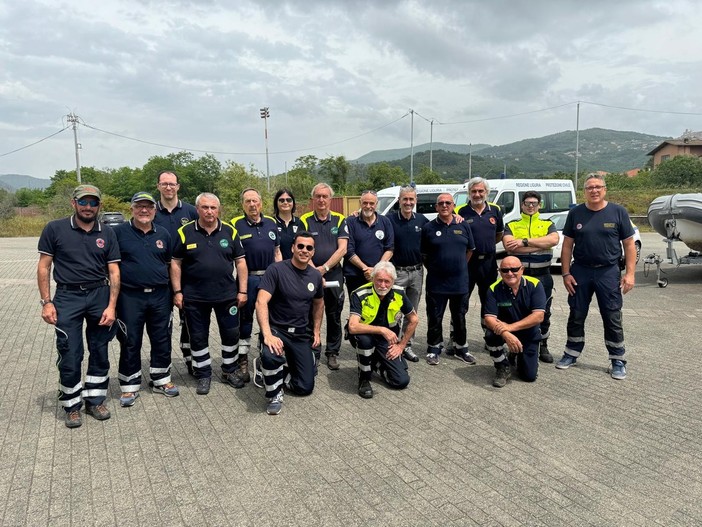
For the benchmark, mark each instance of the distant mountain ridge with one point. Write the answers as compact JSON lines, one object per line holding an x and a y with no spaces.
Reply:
{"x":13,"y":182}
{"x":378,"y":156}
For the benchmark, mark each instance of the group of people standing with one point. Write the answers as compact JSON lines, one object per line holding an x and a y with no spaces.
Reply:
{"x":289,"y":272}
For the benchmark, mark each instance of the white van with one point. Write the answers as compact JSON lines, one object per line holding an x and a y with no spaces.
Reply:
{"x":388,"y":198}
{"x":557,"y":195}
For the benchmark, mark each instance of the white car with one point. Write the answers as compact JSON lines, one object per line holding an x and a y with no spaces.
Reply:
{"x":559,"y":220}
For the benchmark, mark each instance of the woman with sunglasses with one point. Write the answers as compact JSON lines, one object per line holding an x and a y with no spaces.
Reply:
{"x":288,"y":224}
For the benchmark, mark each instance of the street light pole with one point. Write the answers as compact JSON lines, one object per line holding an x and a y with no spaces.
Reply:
{"x":265,"y":114}
{"x":73,"y":119}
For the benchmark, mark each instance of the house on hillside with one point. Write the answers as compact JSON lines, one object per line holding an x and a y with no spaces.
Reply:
{"x":688,"y":144}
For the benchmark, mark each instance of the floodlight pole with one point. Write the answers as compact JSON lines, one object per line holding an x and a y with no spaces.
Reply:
{"x":265,"y":114}
{"x":577,"y":144}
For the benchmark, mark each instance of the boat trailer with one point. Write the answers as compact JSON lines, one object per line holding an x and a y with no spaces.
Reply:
{"x":671,"y":257}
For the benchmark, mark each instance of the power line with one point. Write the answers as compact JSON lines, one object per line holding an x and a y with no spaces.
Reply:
{"x":495,"y":118}
{"x":639,"y":109}
{"x":34,"y":143}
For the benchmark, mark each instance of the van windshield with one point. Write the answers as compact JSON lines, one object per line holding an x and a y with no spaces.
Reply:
{"x":384,"y":202}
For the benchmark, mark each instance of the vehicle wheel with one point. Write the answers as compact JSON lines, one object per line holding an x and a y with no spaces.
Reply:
{"x":638,"y":251}
{"x":663,"y":282}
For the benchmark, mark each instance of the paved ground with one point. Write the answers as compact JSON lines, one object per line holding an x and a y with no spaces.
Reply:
{"x":574,"y":448}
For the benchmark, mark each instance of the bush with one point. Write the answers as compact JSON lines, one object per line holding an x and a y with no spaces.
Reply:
{"x":20,"y":226}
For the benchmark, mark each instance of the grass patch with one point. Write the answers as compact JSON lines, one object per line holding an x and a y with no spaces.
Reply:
{"x":23,"y":226}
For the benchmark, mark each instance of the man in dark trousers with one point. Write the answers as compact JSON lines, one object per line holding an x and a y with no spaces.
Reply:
{"x":202,"y":274}
{"x":144,"y":300}
{"x":85,"y":257}
{"x":171,"y":214}
{"x":289,"y":293}
{"x":593,"y":236}
{"x":514,"y":308}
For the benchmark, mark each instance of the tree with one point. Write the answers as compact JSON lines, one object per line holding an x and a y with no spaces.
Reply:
{"x":26,"y":197}
{"x":232,"y":181}
{"x":680,"y":171}
{"x":336,"y":171}
{"x":194,"y":175}
{"x":380,"y":175}
{"x":428,"y":177}
{"x":7,"y":204}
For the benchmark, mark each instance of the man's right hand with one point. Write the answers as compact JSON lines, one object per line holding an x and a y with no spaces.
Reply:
{"x":178,"y":300}
{"x":48,"y":314}
{"x":274,"y":344}
{"x":570,"y":284}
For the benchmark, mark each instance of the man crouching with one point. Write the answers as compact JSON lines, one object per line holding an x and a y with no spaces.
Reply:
{"x":374,"y":325}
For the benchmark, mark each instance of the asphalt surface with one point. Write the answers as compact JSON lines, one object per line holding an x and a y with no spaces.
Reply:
{"x":574,"y":448}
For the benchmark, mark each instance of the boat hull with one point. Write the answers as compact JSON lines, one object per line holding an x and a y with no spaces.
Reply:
{"x":678,"y":217}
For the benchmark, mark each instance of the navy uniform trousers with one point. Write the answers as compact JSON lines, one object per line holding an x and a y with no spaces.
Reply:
{"x":527,"y":360}
{"x":197,"y":315}
{"x":372,"y":349}
{"x":136,"y":309}
{"x":295,"y":368}
{"x":72,"y":307}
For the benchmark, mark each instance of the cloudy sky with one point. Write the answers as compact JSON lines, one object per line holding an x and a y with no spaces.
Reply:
{"x":339,"y":76}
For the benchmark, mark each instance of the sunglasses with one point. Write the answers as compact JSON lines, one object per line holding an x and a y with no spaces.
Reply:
{"x":506,"y":270}
{"x":285,"y":200}
{"x":302,"y":246}
{"x":444,"y":203}
{"x":373,"y":192}
{"x":531,"y":203}
{"x":85,"y":202}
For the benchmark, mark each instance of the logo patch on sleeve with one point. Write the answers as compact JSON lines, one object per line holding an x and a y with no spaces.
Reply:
{"x":191,"y":246}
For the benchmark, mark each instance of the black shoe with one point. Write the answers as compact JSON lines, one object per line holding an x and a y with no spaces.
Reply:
{"x":73,"y":419}
{"x":544,"y":355}
{"x":98,"y":411}
{"x":409,"y":354}
{"x":365,"y":389}
{"x":203,"y":385}
{"x":233,"y":379}
{"x":501,"y":375}
{"x":333,"y":362}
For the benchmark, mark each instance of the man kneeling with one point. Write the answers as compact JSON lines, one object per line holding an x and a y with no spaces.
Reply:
{"x":374,"y":325}
{"x":514,"y":310}
{"x":286,"y":293}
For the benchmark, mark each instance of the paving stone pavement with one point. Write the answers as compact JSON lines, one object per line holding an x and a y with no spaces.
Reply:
{"x":574,"y":448}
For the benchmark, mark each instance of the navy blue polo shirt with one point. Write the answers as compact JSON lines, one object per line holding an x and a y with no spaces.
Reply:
{"x":326,"y":234}
{"x":292,"y":291}
{"x":444,"y":249}
{"x":368,"y":242}
{"x":208,"y":261}
{"x":287,"y":233}
{"x":597,"y":234}
{"x":259,"y":240}
{"x":80,"y":257}
{"x":484,"y":226}
{"x":408,"y":238}
{"x":145,"y":256}
{"x":172,"y":221}
{"x":507,"y":307}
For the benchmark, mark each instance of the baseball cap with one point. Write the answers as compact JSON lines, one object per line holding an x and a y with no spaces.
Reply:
{"x":86,"y":190}
{"x":143,"y":196}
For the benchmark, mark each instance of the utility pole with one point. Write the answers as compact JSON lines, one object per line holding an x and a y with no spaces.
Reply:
{"x":431,"y":145}
{"x":577,"y":145}
{"x":265,"y":114}
{"x":412,"y":147}
{"x":470,"y":161}
{"x":73,"y":118}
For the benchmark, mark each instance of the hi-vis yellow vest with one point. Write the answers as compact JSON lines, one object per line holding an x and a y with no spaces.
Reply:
{"x":532,"y":227}
{"x":370,"y":303}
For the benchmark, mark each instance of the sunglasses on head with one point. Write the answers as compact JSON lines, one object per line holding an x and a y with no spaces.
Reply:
{"x":285,"y":200}
{"x":506,"y":270}
{"x":85,"y":202}
{"x":301,"y":246}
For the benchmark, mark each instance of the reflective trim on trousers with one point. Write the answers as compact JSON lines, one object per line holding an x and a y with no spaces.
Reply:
{"x":70,"y":402}
{"x":68,"y":391}
{"x":127,"y":378}
{"x":94,"y":393}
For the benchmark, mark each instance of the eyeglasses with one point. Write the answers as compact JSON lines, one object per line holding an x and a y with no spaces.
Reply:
{"x":168,"y":185}
{"x":444,"y":203}
{"x":143,"y":207}
{"x":505,"y":270}
{"x":530,"y":203}
{"x":301,"y":246}
{"x":88,"y":202}
{"x":285,"y":200}
{"x":595,"y":188}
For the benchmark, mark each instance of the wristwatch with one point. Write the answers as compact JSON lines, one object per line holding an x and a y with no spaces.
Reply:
{"x":525,"y":242}
{"x":43,"y":302}
{"x":326,"y":267}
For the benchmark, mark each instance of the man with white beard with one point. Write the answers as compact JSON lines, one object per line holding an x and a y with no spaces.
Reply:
{"x":371,"y":240}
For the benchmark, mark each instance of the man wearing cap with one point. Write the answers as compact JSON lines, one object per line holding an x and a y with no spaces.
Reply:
{"x":144,"y":300}
{"x":202,"y":275}
{"x":85,"y":258}
{"x":259,"y":237}
{"x":172,"y":213}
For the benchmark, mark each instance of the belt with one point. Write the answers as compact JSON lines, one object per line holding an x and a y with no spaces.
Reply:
{"x":410,"y":268}
{"x":290,"y":329}
{"x":257,"y":273}
{"x":145,"y":289}
{"x":481,"y":256}
{"x":83,"y":287}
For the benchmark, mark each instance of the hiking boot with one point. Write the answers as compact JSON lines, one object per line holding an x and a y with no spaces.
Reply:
{"x":544,"y":354}
{"x":502,"y":373}
{"x":128,"y":399}
{"x":365,"y":389}
{"x":168,"y":389}
{"x":618,"y":370}
{"x":566,"y":362}
{"x":203,"y":385}
{"x":410,"y":355}
{"x":432,"y":359}
{"x":233,"y":379}
{"x":275,"y":404}
{"x":333,"y":362}
{"x":243,"y":371}
{"x":98,"y":411}
{"x":73,"y":419}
